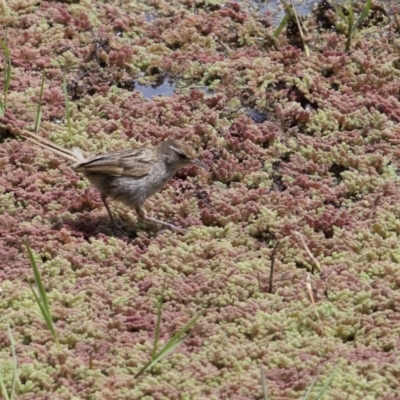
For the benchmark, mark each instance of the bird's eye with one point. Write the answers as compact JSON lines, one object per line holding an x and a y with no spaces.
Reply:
{"x":180,"y":153}
{"x":182,"y":156}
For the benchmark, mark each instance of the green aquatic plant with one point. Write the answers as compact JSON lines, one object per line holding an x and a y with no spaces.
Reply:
{"x":7,"y":75}
{"x":67,"y":108}
{"x":41,"y":297}
{"x":291,"y":14}
{"x":11,"y":394}
{"x":38,"y":116}
{"x":175,"y":341}
{"x":348,"y":17}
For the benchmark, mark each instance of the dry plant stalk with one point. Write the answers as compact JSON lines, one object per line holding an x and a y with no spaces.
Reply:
{"x":271,"y":274}
{"x":302,"y":36}
{"x":307,"y":249}
{"x":311,"y":295}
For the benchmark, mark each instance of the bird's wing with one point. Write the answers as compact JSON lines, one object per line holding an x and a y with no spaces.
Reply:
{"x":122,"y":163}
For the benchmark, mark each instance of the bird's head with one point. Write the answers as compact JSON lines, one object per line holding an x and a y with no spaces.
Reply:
{"x":180,"y":154}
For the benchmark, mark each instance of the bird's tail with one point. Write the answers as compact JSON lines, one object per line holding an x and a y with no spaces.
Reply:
{"x":74,"y":155}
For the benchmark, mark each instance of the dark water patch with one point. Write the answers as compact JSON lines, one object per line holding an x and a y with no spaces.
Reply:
{"x":257,"y":116}
{"x":161,"y":87}
{"x":275,"y":8}
{"x":149,"y":16}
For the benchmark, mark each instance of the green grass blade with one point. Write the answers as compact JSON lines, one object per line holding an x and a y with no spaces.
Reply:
{"x":341,"y":14}
{"x":158,"y":324}
{"x":324,"y":387}
{"x":7,"y":75}
{"x":37,"y":276}
{"x":38,"y":117}
{"x":3,"y":389}
{"x":185,"y":328}
{"x":363,"y":15}
{"x":351,"y":17}
{"x":283,"y":23}
{"x":176,"y":340}
{"x":41,"y":299}
{"x":67,"y":110}
{"x":15,"y":365}
{"x":327,"y":383}
{"x":171,"y":345}
{"x":311,"y":387}
{"x":162,"y":354}
{"x":43,"y":310}
{"x":350,"y":27}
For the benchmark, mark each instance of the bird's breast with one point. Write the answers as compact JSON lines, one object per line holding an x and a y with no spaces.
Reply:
{"x":157,"y":182}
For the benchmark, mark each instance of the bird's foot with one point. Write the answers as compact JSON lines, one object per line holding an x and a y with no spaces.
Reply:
{"x":165,"y":224}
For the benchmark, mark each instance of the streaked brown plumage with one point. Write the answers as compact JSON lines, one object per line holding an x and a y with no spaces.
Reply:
{"x":128,"y":176}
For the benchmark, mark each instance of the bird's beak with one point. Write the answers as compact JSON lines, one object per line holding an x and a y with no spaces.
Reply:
{"x":199,"y":164}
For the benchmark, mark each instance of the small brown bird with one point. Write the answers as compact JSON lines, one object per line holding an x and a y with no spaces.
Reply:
{"x":128,"y":176}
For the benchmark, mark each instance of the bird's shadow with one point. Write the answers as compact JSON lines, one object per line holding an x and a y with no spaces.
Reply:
{"x":91,"y":226}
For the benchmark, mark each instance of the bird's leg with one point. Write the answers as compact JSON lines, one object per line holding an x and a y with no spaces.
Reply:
{"x":115,"y":226}
{"x":141,"y":213}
